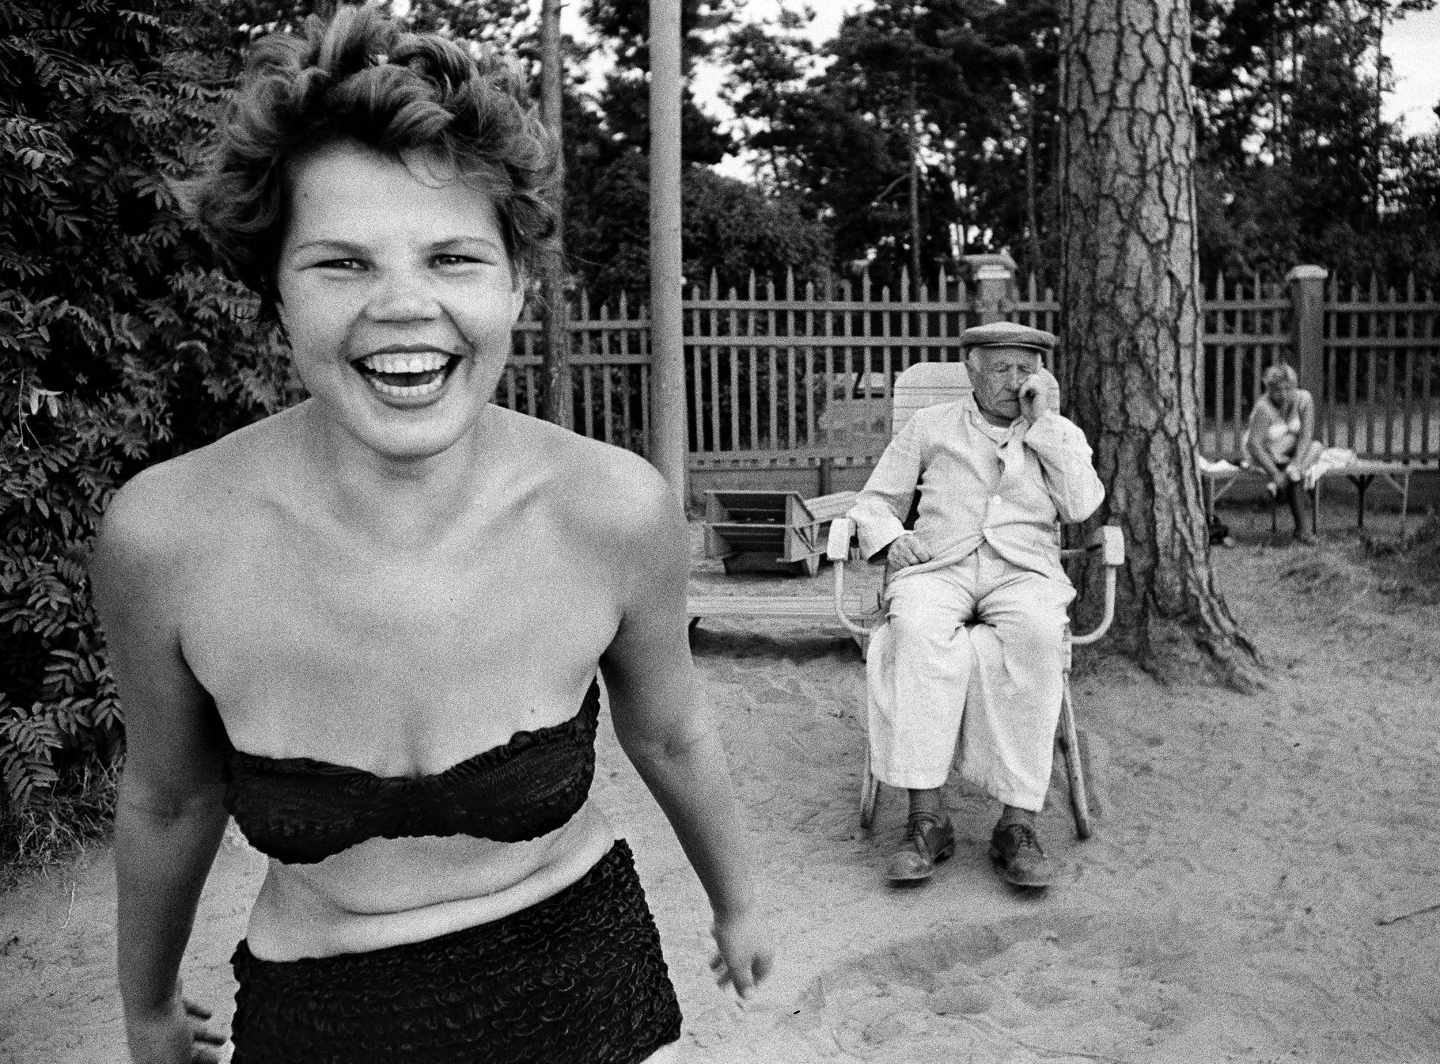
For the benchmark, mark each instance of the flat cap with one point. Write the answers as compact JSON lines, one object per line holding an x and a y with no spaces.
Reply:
{"x":1006,"y":334}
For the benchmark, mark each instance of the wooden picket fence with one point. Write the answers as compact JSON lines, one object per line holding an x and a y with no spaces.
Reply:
{"x":1382,"y":390}
{"x":784,"y":375}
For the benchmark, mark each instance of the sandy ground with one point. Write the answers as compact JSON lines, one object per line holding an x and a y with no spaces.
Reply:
{"x":1256,"y":890}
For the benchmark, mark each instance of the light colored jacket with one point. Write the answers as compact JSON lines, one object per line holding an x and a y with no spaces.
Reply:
{"x":1009,"y":487}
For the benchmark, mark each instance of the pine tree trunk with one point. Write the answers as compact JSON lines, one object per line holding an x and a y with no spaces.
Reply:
{"x":1131,"y":322}
{"x":555,"y":398}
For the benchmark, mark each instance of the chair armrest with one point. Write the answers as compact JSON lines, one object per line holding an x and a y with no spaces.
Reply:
{"x":1111,"y":541}
{"x":837,"y":547}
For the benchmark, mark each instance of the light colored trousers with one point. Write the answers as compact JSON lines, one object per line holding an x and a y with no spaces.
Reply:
{"x":977,"y":643}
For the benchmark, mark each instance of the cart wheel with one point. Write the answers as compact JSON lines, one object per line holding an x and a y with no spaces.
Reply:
{"x":869,"y":793}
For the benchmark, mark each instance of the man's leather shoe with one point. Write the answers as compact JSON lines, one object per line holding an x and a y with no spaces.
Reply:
{"x":1017,"y":856}
{"x":929,"y":838}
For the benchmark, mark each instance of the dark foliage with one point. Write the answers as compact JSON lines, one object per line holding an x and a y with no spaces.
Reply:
{"x":730,"y":229}
{"x":121,"y":344}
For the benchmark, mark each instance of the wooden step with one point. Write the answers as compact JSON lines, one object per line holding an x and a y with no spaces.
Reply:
{"x":825,"y":508}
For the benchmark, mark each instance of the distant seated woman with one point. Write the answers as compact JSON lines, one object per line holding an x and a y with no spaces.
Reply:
{"x":1281,"y":442}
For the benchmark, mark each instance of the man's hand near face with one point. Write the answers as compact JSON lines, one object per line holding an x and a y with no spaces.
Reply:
{"x":1039,"y":394}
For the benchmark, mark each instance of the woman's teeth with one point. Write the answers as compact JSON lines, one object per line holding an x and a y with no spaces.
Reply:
{"x":405,"y":374}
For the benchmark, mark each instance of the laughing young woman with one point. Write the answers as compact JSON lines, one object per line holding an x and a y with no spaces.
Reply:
{"x":371,"y":627}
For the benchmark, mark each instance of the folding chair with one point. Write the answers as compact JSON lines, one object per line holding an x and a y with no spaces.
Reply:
{"x":926,"y":384}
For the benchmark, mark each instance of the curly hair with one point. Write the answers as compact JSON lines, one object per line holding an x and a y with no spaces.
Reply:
{"x":359,"y":78}
{"x":1279,"y":371}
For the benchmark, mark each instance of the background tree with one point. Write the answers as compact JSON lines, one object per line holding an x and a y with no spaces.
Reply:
{"x":623,"y":26}
{"x":767,"y":63}
{"x":729,"y":228}
{"x":928,"y":135}
{"x":1295,"y":158}
{"x":508,"y":26}
{"x":1294,"y":161}
{"x":1411,"y":218}
{"x":1131,"y":322}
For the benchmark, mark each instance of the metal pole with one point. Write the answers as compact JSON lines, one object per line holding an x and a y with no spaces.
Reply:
{"x":667,"y":445}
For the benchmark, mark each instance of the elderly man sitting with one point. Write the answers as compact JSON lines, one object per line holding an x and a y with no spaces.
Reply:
{"x":977,"y":598}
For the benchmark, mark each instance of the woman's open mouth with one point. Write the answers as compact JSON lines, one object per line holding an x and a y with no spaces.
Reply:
{"x":407,"y":374}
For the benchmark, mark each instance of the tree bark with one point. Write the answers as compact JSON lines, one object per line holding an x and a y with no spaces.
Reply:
{"x":554,"y":304}
{"x":914,"y":196}
{"x":1131,"y":321}
{"x":1032,"y":210}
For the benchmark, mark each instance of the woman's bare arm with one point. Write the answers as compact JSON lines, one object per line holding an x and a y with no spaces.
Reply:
{"x":1305,"y":406}
{"x":170,"y":817}
{"x":1257,"y":440}
{"x":665,"y":729}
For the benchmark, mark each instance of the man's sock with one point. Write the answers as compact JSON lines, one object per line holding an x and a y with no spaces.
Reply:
{"x":926,"y":802}
{"x":1013,"y":815}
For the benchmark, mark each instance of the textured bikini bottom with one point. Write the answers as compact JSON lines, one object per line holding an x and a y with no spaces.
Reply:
{"x":578,"y":977}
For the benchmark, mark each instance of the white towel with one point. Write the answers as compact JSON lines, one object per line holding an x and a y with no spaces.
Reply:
{"x":1330,"y":459}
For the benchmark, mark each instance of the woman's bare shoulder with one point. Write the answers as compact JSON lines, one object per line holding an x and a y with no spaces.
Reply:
{"x":608,"y":484}
{"x":173,"y":506}
{"x":1263,"y":409}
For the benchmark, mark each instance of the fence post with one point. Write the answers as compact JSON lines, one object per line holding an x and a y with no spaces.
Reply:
{"x":994,"y":280}
{"x":1307,"y":324}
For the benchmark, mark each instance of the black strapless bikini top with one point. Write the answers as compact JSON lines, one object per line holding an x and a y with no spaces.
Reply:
{"x":300,"y":810}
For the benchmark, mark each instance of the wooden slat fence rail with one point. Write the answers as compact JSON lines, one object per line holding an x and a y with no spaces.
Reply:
{"x":1247,"y":327}
{"x":1038,"y":308}
{"x":609,"y":360}
{"x":787,"y":375}
{"x":1382,"y":372}
{"x":790,"y":377}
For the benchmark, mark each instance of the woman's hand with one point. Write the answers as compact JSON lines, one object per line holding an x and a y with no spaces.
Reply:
{"x":175,"y":1035}
{"x":906,"y":550}
{"x":743,"y":956}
